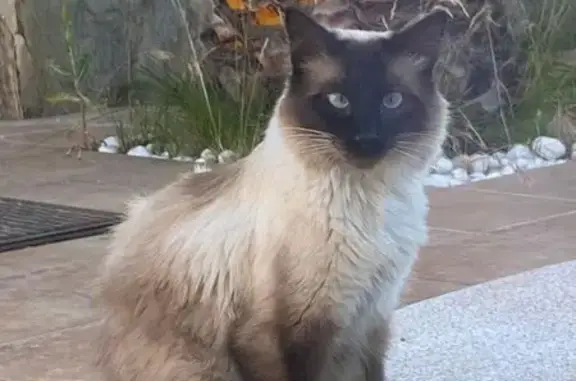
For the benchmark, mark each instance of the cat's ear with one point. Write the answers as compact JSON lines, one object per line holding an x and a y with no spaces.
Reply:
{"x":307,"y":38}
{"x":422,"y":37}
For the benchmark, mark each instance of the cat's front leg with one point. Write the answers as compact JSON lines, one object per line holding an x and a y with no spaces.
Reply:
{"x":378,"y":339}
{"x":305,"y":359}
{"x":256,"y":350}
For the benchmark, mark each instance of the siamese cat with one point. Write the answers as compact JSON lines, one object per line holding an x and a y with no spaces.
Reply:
{"x":287,"y":265}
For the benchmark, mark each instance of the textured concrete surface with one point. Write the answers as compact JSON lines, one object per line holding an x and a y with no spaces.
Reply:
{"x":489,"y":230}
{"x":517,"y":328}
{"x":33,"y":165}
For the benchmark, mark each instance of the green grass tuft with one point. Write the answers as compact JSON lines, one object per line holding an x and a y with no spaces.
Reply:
{"x":549,"y":83}
{"x":178,"y":112}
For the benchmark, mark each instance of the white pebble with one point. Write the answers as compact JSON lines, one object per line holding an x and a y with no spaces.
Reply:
{"x":562,"y":161}
{"x":456,"y":182}
{"x":140,"y":151}
{"x":573,"y":156}
{"x":183,"y":158}
{"x":111,"y":141}
{"x":477,"y":177}
{"x":499,"y":155}
{"x":227,"y":157}
{"x":550,"y":163}
{"x":507,"y":170}
{"x":494,"y":163}
{"x":493,"y":175}
{"x":523,"y":163}
{"x":107,"y":149}
{"x":163,"y":156}
{"x":461,"y":161}
{"x":548,"y":148}
{"x":479,"y":163}
{"x":437,"y":180}
{"x":151,"y":147}
{"x":519,"y":151}
{"x":498,"y":160}
{"x":443,"y":165}
{"x":201,"y":166}
{"x":539,"y":162}
{"x":209,"y":156}
{"x":460,"y":174}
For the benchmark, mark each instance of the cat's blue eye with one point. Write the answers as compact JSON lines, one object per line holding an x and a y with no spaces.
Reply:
{"x":338,"y":100}
{"x":392,"y":100}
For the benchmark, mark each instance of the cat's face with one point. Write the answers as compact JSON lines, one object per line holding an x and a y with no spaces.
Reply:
{"x":359,"y":97}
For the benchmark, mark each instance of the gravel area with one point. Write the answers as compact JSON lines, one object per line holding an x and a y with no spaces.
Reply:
{"x":447,"y":172}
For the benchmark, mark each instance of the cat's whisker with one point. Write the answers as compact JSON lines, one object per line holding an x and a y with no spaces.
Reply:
{"x":316,"y":148}
{"x":309,"y":134}
{"x":415,"y":144}
{"x":315,"y":143}
{"x":417,"y":135}
{"x":311,"y":138}
{"x":406,"y":139}
{"x":309,"y":131}
{"x":410,"y":150}
{"x":406,"y":154}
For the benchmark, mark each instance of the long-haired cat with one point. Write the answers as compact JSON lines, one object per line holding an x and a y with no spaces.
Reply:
{"x":287,"y":265}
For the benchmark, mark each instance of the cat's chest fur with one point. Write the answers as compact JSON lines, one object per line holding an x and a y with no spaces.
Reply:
{"x":355,"y":257}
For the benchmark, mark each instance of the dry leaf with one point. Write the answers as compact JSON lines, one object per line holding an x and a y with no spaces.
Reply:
{"x":267,"y":15}
{"x":236,"y":5}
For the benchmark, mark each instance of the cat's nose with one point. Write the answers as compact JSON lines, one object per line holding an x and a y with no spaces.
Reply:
{"x":368,"y":144}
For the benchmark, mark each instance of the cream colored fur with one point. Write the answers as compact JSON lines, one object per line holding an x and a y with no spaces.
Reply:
{"x":347,"y":238}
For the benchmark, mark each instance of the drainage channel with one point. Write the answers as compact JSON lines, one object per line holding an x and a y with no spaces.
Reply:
{"x":25,"y":223}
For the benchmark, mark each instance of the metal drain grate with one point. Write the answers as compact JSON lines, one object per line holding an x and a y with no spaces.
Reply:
{"x":25,"y":223}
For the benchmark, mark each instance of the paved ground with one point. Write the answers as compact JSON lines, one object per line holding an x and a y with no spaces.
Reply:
{"x":479,"y":233}
{"x":516,"y":328}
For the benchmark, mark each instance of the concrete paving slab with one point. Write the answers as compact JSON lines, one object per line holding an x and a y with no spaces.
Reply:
{"x":85,"y":253}
{"x":556,"y":182}
{"x":513,"y":329}
{"x":506,"y":252}
{"x":465,"y":209}
{"x":101,"y":181}
{"x":57,"y":278}
{"x":35,"y":305}
{"x":47,"y":288}
{"x":479,"y":232}
{"x":418,"y":289}
{"x":439,"y":236}
{"x":66,"y":355}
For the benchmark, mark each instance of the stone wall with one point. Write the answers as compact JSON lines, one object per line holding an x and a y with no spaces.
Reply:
{"x":112,"y":32}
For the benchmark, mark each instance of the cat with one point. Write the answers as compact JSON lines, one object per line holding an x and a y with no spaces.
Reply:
{"x":287,"y":265}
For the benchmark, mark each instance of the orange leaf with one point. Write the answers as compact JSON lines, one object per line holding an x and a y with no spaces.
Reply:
{"x":236,"y":5}
{"x":267,"y":15}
